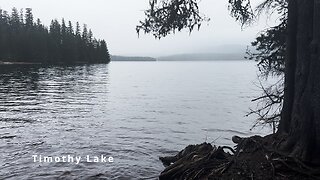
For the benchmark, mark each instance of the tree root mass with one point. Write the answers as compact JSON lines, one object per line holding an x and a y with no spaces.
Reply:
{"x":253,"y":158}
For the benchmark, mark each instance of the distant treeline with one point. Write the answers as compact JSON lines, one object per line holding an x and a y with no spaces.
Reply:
{"x":132,"y":58}
{"x":24,"y":40}
{"x":204,"y":57}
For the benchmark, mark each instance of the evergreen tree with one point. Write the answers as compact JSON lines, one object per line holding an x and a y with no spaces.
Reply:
{"x":78,"y":29}
{"x":29,"y":17}
{"x":15,"y":19}
{"x":70,"y":29}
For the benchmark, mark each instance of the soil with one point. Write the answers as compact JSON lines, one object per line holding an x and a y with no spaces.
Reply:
{"x":252,"y":158}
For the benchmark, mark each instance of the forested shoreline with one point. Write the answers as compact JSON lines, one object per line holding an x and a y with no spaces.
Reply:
{"x":22,"y":39}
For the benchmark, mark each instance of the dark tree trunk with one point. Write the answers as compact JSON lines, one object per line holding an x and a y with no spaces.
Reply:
{"x":301,"y":111}
{"x":290,"y":63}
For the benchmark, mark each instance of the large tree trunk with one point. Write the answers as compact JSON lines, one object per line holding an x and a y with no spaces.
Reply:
{"x":290,"y":63}
{"x":301,"y":111}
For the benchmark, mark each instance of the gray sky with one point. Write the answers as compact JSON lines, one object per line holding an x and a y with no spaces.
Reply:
{"x":115,"y":21}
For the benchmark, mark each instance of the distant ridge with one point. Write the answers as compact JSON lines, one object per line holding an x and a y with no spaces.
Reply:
{"x":203,"y":57}
{"x":132,"y":58}
{"x":184,"y":57}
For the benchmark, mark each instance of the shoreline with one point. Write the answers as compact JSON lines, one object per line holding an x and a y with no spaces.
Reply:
{"x":17,"y":63}
{"x":39,"y":63}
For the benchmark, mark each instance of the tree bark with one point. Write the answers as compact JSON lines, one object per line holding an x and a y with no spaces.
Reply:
{"x":290,"y":63}
{"x":301,"y":111}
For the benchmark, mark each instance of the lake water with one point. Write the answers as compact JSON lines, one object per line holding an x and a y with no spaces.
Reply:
{"x":132,"y":111}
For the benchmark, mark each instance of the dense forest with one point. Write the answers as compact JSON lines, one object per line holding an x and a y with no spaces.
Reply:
{"x":24,"y":40}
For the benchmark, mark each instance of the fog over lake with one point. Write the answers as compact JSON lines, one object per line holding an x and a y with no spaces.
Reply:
{"x":116,"y":20}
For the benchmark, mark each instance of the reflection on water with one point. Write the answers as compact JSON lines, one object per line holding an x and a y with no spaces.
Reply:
{"x":133,"y":111}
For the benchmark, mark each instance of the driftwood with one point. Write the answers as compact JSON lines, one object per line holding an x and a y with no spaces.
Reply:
{"x":251,"y":159}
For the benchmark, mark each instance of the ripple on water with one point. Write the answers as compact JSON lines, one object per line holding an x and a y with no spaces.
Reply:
{"x":17,"y":120}
{"x":132,"y":111}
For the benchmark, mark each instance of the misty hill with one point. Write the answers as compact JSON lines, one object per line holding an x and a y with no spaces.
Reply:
{"x":132,"y":58}
{"x":203,"y":57}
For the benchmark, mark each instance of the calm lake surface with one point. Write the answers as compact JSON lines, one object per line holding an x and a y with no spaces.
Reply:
{"x":132,"y":111}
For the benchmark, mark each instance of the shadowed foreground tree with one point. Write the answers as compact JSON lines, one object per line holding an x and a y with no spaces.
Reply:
{"x":301,"y":111}
{"x":299,"y":129}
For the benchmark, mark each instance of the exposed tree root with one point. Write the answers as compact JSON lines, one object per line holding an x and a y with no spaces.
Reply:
{"x":253,"y":158}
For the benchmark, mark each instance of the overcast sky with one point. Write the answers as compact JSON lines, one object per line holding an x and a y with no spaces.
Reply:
{"x":115,"y":21}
